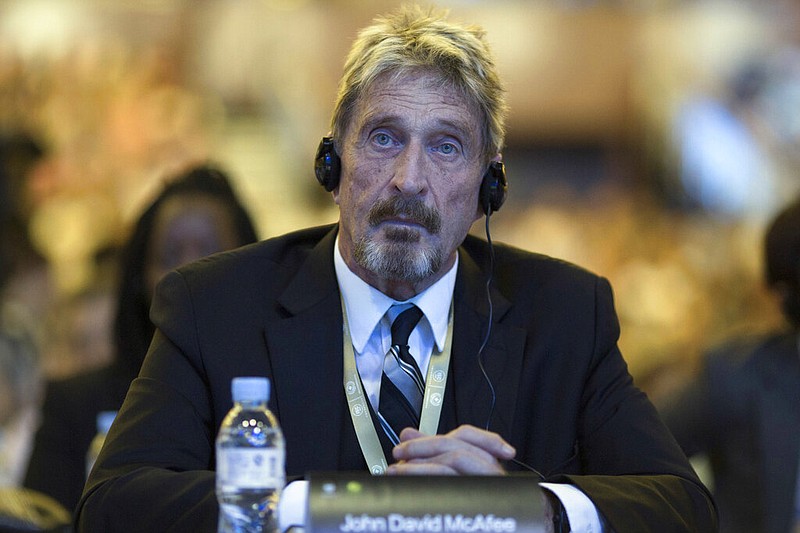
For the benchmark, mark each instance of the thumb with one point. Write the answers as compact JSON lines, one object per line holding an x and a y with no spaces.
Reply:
{"x":410,"y":433}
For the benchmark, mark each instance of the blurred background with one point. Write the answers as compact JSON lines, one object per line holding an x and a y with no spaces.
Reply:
{"x":649,"y":141}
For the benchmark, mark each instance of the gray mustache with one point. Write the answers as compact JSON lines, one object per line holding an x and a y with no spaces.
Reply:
{"x":411,"y":208}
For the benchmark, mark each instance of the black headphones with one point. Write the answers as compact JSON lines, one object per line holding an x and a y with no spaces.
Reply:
{"x":327,"y":168}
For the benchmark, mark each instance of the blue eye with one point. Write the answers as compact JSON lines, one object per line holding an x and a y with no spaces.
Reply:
{"x":382,"y":139}
{"x":447,"y":149}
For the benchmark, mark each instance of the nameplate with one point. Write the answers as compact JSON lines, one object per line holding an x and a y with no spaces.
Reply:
{"x":359,"y":503}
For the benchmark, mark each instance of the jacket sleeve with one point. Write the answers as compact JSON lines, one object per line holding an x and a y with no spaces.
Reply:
{"x":626,"y":461}
{"x":155,"y":472}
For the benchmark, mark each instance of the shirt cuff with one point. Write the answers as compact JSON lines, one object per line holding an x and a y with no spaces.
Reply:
{"x":293,"y":506}
{"x":581,"y":512}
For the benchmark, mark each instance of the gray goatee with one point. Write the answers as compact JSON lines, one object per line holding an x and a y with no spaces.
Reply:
{"x":396,"y":258}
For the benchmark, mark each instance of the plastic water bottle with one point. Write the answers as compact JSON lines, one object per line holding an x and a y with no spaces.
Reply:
{"x":250,"y":461}
{"x":104,"y":421}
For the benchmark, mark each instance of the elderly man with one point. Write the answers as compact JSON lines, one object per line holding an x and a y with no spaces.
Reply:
{"x":533,"y":376}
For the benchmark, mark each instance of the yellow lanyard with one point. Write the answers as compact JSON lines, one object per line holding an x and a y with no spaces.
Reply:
{"x":357,"y":402}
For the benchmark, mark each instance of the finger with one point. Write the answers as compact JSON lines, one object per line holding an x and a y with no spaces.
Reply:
{"x":410,"y":433}
{"x":488,"y":441}
{"x":455,"y":454}
{"x":485,"y":440}
{"x":420,"y":468}
{"x":464,"y":461}
{"x":429,"y":447}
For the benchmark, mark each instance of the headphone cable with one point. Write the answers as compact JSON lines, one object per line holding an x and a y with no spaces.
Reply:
{"x":492,"y":392}
{"x":489,"y":326}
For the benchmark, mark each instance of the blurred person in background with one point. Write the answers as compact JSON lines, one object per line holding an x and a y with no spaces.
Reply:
{"x":21,"y":387}
{"x":741,"y":409}
{"x":19,"y":153}
{"x":79,"y":327}
{"x":195,"y":215}
{"x":25,"y":276}
{"x":24,"y":296}
{"x":80,"y":331}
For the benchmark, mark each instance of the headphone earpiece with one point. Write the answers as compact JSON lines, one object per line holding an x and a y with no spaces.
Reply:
{"x":494,"y":188}
{"x":327,"y":164}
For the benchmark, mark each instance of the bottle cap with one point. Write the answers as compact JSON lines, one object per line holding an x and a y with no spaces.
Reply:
{"x":250,"y":389}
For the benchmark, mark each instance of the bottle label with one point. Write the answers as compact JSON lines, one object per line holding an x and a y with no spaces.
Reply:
{"x":251,"y":468}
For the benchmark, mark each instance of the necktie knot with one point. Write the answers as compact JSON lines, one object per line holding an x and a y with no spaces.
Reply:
{"x":404,"y":324}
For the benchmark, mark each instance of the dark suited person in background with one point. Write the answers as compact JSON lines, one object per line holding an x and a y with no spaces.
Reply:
{"x":741,"y":410}
{"x":413,"y":161}
{"x":197,"y":213}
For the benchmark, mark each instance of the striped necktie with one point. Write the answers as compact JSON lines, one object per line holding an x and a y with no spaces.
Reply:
{"x":402,"y":384}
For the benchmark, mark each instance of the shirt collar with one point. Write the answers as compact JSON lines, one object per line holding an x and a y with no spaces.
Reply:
{"x":366,"y":305}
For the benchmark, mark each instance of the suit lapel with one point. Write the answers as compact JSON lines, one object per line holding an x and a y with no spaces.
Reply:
{"x":502,"y":356}
{"x":305,"y":350}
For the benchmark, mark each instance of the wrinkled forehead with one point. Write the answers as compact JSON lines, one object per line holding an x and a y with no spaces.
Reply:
{"x":414,"y":86}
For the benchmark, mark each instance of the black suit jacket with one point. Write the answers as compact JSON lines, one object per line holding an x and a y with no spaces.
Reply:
{"x":564,"y":396}
{"x":741,"y":411}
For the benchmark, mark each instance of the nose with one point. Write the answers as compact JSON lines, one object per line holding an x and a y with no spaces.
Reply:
{"x":411,"y":170}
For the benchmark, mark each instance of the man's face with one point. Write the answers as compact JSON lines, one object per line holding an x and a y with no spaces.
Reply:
{"x":411,"y":171}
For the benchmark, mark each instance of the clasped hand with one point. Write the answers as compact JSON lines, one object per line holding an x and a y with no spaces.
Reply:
{"x":465,"y":450}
